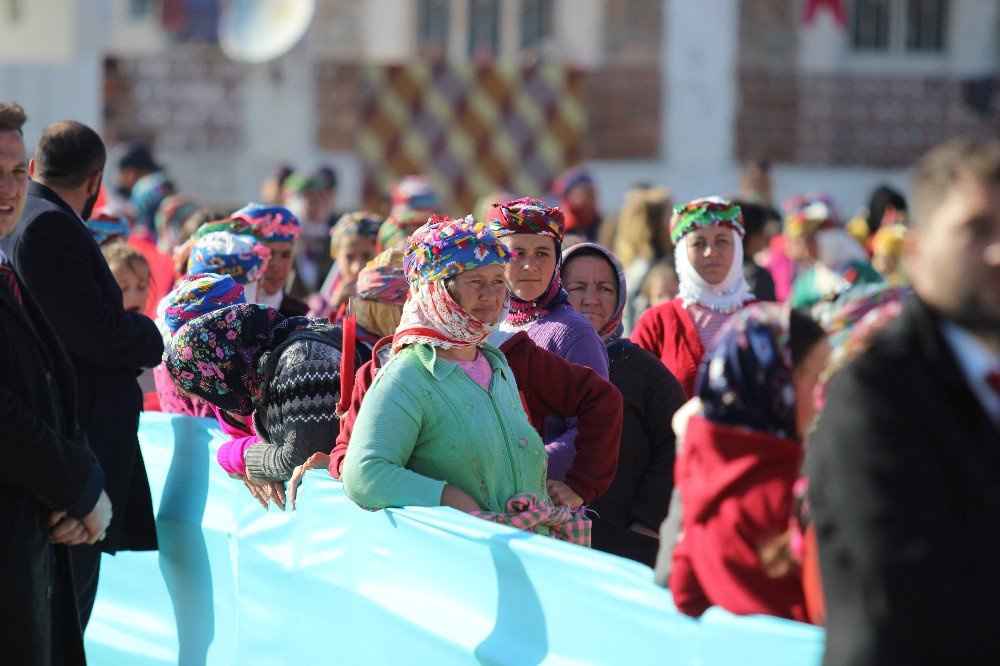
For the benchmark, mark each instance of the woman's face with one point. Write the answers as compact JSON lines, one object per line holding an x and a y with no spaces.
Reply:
{"x":805,"y":376}
{"x":133,"y":279}
{"x":481,"y":292}
{"x":592,"y":287}
{"x":353,"y":254}
{"x":711,"y":252}
{"x":532,"y":264}
{"x":278,"y":267}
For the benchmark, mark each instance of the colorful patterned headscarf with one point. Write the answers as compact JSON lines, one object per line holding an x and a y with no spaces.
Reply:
{"x":106,"y":226}
{"x":439,"y":250}
{"x":746,"y":379}
{"x":807,"y":213}
{"x":395,"y":229}
{"x":526,"y":216}
{"x":242,"y":256}
{"x":445,"y":248}
{"x":215,"y":357}
{"x":272,"y":223}
{"x":613,"y":329}
{"x":173,"y":211}
{"x":415,"y":193}
{"x":385,"y":284}
{"x":200,"y":294}
{"x":357,"y":223}
{"x":146,"y":195}
{"x":704,"y":213}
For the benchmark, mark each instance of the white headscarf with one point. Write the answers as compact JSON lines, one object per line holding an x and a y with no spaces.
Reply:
{"x":727,"y":296}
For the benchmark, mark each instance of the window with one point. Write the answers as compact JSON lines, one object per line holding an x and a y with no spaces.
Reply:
{"x":913,"y":26}
{"x":925,"y":24}
{"x":536,"y":23}
{"x":434,"y":24}
{"x":484,"y":27}
{"x":140,"y":8}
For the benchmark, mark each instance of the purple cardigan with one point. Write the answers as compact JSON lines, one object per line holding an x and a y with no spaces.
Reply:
{"x":566,"y":332}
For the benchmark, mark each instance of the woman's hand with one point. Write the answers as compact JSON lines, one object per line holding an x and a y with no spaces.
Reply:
{"x":563,"y":495}
{"x":264,"y":491}
{"x":315,"y":461}
{"x":457,"y":498}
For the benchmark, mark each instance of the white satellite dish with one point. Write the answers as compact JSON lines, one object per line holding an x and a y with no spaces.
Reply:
{"x":261,"y":30}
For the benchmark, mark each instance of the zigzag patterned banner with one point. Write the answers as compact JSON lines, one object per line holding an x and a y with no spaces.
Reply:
{"x":471,"y":129}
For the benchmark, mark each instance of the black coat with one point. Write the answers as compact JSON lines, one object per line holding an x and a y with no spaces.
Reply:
{"x":63,"y":267}
{"x":644,"y":481}
{"x":46,"y":465}
{"x":905,"y":492}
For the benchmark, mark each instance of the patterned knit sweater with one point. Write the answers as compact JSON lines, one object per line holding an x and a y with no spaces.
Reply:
{"x":298,"y":418}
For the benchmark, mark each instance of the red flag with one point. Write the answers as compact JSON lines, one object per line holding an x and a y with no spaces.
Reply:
{"x":814,"y":6}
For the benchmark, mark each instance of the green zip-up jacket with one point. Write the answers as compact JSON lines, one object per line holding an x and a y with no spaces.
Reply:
{"x":425,"y":423}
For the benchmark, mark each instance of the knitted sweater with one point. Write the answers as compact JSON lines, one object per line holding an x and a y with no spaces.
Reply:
{"x":424,"y":424}
{"x":566,"y":332}
{"x":298,"y":418}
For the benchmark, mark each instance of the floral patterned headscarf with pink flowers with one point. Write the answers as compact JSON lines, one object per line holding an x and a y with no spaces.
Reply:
{"x":215,"y":357}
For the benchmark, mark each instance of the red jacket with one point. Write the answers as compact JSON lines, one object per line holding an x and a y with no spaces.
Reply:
{"x":668,"y":332}
{"x":549,"y":385}
{"x":736,"y":493}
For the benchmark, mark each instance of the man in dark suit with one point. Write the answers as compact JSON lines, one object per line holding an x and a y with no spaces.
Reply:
{"x":52,"y":492}
{"x":904,"y":465}
{"x":60,"y":263}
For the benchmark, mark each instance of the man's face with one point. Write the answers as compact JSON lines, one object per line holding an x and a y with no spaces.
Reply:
{"x":13,"y":181}
{"x":954,"y":256}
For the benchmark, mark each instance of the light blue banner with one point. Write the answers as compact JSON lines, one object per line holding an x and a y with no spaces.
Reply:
{"x":334,"y":584}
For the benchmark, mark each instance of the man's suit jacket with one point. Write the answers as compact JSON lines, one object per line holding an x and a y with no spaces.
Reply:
{"x":60,"y":263}
{"x":46,"y":466}
{"x":904,"y":481}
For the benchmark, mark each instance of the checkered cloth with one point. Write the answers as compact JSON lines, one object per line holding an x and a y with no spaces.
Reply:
{"x":526,"y":512}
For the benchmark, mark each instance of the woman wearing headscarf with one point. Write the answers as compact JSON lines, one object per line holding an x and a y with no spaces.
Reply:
{"x":830,"y":260}
{"x":194,"y":296}
{"x":579,"y":393}
{"x":393,"y":232}
{"x":352,"y":245}
{"x":708,"y":235}
{"x":442,"y":423}
{"x":628,"y":515}
{"x":740,"y":457}
{"x":280,"y":374}
{"x":533,"y":232}
{"x":279,"y":230}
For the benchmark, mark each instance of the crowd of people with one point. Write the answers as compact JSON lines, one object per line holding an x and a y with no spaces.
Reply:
{"x":779,"y":411}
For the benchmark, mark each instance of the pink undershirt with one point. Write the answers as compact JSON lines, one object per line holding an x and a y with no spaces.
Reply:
{"x":708,"y":323}
{"x":478,"y":369}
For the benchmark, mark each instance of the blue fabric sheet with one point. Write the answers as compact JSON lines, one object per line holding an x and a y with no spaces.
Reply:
{"x":334,"y":584}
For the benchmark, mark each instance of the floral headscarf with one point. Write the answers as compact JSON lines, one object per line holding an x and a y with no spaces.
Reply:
{"x":396,"y":228}
{"x":215,"y":357}
{"x":746,"y":379}
{"x":806,"y":213}
{"x":200,"y":294}
{"x":107,"y":226}
{"x":242,"y":256}
{"x":357,"y":223}
{"x":532,"y":216}
{"x":272,"y":223}
{"x":385,"y":284}
{"x":439,"y":250}
{"x":734,"y":291}
{"x":613,"y":329}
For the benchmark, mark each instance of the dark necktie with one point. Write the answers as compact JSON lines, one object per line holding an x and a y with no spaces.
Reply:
{"x":993,"y":379}
{"x":7,"y":273}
